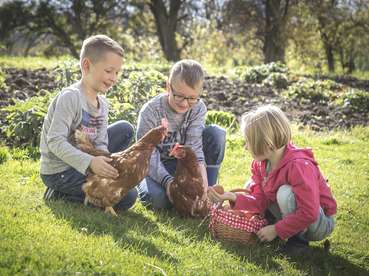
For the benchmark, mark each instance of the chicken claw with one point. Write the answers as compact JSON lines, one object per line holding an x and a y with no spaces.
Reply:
{"x":111,"y":211}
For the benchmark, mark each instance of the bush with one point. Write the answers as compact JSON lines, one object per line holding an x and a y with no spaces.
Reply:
{"x":128,"y":96}
{"x":163,"y":68}
{"x":2,"y":80}
{"x":4,"y":155}
{"x":240,"y":70}
{"x":277,"y":80}
{"x":19,"y":154}
{"x":221,"y":118}
{"x":313,"y":91}
{"x":356,"y":100}
{"x":24,"y":120}
{"x":259,"y":73}
{"x":67,"y":73}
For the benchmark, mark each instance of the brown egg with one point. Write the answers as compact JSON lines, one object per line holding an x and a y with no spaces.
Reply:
{"x":219,"y":189}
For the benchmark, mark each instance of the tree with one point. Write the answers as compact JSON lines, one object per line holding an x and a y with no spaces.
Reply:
{"x":268,"y":17}
{"x":342,"y":25}
{"x":328,"y":17}
{"x":275,"y":37}
{"x":68,"y":21}
{"x":73,"y":21}
{"x":16,"y":15}
{"x":166,"y":21}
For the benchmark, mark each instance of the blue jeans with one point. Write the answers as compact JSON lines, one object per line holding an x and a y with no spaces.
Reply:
{"x":68,"y":184}
{"x":286,"y":204}
{"x":153,"y":194}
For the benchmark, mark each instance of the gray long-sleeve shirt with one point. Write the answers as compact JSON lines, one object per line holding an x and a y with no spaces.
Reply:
{"x":69,"y":111}
{"x":184,"y":128}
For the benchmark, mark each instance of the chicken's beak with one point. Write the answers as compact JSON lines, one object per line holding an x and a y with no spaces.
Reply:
{"x":174,"y":149}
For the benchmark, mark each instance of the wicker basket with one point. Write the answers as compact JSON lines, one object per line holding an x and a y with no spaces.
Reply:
{"x":235,"y":225}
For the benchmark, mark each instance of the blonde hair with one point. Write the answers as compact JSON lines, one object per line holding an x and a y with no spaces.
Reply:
{"x":96,"y":46}
{"x":189,"y":71}
{"x":266,"y":128}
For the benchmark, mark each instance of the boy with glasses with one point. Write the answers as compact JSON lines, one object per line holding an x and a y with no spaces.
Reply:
{"x":185,"y":112}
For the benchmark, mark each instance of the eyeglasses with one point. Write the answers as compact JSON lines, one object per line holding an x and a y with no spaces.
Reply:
{"x":180,"y":98}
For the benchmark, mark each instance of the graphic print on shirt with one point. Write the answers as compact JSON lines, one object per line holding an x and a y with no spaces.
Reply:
{"x":90,"y":124}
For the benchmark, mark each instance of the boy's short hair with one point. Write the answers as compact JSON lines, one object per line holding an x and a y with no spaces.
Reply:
{"x":187,"y":70}
{"x":96,"y":46}
{"x":266,"y":128}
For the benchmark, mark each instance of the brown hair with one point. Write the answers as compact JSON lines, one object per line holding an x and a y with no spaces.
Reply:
{"x":266,"y":128}
{"x":189,"y":71}
{"x":96,"y":46}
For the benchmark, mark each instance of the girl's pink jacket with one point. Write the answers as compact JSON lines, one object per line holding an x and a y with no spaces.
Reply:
{"x":299,"y":169}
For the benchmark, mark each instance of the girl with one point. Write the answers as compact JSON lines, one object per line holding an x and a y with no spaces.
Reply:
{"x":285,"y":180}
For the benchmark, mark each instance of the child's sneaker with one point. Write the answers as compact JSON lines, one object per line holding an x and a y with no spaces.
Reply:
{"x":295,"y":246}
{"x":51,"y":194}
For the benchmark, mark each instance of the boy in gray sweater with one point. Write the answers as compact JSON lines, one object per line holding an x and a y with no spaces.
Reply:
{"x":63,"y":166}
{"x":185,"y":112}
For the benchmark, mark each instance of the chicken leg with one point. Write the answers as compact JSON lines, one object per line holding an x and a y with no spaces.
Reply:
{"x":111,"y":211}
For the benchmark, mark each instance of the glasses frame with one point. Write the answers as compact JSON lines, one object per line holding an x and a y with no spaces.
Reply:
{"x":179,"y":98}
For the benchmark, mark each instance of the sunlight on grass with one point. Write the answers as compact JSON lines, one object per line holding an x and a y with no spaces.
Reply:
{"x":63,"y":238}
{"x":31,"y":62}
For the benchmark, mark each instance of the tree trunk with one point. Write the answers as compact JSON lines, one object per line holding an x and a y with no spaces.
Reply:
{"x":275,"y":25}
{"x":323,"y":11}
{"x":351,"y":64}
{"x":328,"y":48}
{"x":166,"y":25}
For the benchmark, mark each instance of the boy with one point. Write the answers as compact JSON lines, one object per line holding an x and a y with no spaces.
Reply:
{"x":63,"y":166}
{"x":185,"y":112}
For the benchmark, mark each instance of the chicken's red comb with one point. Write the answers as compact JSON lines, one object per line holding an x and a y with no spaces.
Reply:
{"x":176,"y":146}
{"x":164,"y":122}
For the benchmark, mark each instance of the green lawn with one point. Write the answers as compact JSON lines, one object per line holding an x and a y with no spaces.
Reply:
{"x":38,"y":238}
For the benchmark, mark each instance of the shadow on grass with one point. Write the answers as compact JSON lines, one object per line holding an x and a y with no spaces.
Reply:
{"x":266,"y":255}
{"x":321,"y":263}
{"x":129,"y":230}
{"x":318,"y":262}
{"x":133,"y":229}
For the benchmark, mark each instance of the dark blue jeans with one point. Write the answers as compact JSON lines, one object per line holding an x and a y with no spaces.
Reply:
{"x":153,"y":194}
{"x":68,"y":184}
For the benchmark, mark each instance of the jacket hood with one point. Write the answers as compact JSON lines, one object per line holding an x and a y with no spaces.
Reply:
{"x":292,"y":152}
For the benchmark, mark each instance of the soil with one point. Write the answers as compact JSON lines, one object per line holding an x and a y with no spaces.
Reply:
{"x":239,"y":97}
{"x":220,"y":93}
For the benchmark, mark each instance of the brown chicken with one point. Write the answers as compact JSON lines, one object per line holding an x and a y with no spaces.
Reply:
{"x":187,"y":190}
{"x":132,"y":165}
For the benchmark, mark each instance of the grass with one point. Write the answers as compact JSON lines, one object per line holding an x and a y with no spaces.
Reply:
{"x":31,"y":62}
{"x":38,"y":238}
{"x":51,"y":62}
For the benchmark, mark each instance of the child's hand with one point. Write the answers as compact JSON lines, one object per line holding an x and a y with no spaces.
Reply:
{"x":267,"y":233}
{"x":216,"y":197}
{"x":100,"y":166}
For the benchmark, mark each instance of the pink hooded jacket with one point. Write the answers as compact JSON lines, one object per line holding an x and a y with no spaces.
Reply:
{"x":299,"y":169}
